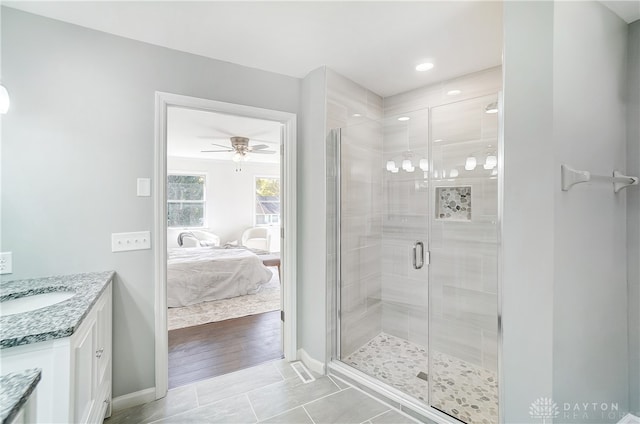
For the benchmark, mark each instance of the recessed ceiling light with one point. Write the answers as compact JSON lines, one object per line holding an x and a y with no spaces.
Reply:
{"x":403,"y":118}
{"x":424,"y":67}
{"x":453,"y":92}
{"x":356,"y":115}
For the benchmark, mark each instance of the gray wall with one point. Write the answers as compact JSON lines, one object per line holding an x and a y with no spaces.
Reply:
{"x":80,"y":131}
{"x":633,"y":213}
{"x":312,"y":216}
{"x":530,"y":175}
{"x":564,"y":267}
{"x":590,"y":342}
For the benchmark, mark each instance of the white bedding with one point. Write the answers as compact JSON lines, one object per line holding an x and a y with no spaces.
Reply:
{"x":200,"y":274}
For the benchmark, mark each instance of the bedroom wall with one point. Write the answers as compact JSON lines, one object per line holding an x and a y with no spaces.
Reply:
{"x":79,"y":133}
{"x":230,"y":196}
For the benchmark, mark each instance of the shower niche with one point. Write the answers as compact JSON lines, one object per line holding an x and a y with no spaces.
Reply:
{"x":416,"y":287}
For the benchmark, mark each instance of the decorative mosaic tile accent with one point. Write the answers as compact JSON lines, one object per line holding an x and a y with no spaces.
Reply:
{"x":15,"y":389}
{"x":266,"y":300}
{"x":453,"y":203}
{"x":461,"y":389}
{"x":55,"y":321}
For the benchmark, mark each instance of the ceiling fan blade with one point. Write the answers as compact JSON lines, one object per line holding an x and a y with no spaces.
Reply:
{"x":212,"y":137}
{"x":221,"y":130}
{"x":263,"y":152}
{"x":220,"y":145}
{"x":216,"y":151}
{"x":258,"y":147}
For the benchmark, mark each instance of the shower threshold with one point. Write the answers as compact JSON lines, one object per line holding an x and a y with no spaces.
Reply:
{"x":463,"y":390}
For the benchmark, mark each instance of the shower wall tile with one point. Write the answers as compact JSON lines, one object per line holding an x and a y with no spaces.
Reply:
{"x":471,"y":267}
{"x":360,"y":230}
{"x":418,"y":326}
{"x":405,"y":321}
{"x":407,"y":195}
{"x":406,"y":291}
{"x":395,"y":320}
{"x":473,"y":85}
{"x":346,"y":98}
{"x":358,"y":329}
{"x":475,"y":308}
{"x":456,"y":339}
{"x":397,"y":258}
{"x":361,"y":206}
{"x":490,"y":350}
{"x":358,"y":264}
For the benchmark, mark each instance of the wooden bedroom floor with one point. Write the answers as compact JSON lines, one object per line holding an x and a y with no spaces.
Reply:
{"x":209,"y":350}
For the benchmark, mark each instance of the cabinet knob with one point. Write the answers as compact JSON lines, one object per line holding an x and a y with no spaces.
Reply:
{"x":99,"y":353}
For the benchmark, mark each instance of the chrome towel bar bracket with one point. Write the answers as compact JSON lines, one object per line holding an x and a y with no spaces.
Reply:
{"x":571,"y":177}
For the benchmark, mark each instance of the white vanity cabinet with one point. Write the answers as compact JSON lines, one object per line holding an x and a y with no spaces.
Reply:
{"x":76,"y":370}
{"x":90,"y":375}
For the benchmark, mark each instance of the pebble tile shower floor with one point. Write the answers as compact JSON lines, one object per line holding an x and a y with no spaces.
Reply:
{"x":466,"y":391}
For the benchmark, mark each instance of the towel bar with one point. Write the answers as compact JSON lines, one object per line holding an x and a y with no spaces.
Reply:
{"x":571,"y":177}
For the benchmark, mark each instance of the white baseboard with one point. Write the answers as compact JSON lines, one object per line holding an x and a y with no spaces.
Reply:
{"x":629,"y":419}
{"x":311,"y":363}
{"x":132,"y":399}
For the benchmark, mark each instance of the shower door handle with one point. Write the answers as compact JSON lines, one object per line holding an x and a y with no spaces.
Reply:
{"x":417,"y":264}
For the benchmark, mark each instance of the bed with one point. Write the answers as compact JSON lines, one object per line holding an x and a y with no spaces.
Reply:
{"x":200,"y":274}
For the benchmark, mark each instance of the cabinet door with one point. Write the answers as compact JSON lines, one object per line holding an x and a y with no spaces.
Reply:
{"x":103,"y":348}
{"x":84,"y":372}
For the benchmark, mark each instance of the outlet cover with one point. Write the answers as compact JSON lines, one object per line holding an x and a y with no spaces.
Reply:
{"x":6,"y":266}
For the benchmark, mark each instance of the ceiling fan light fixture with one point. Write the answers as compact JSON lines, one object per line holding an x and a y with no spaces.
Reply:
{"x":239,"y":157}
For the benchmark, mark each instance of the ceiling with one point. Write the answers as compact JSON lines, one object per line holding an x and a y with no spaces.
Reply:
{"x":190,"y":131}
{"x":375,"y":43}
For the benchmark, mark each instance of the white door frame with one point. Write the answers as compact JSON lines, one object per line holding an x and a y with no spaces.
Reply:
{"x":288,"y":246}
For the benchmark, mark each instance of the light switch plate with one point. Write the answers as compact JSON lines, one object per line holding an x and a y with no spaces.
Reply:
{"x":144,"y":187}
{"x":6,"y":266}
{"x":122,"y":242}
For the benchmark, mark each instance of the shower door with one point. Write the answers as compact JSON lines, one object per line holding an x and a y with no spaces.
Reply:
{"x":417,"y":255}
{"x":463,"y":317}
{"x":383,"y":269}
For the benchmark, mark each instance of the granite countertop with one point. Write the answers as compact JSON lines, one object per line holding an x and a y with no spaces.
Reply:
{"x":52,"y":322}
{"x":15,"y":389}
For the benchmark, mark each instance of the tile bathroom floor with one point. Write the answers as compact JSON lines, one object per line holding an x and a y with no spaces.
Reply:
{"x":268,"y":393}
{"x":461,"y":389}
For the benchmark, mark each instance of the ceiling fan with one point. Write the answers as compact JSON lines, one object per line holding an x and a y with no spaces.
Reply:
{"x":241,"y":147}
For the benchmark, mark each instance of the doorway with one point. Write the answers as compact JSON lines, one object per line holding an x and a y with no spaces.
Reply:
{"x":224,"y":198}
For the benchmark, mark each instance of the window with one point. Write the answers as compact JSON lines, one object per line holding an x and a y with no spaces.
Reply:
{"x":267,"y":201}
{"x":186,"y":200}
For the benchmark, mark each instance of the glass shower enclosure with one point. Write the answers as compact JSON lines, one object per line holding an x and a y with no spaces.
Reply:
{"x":416,"y":250}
